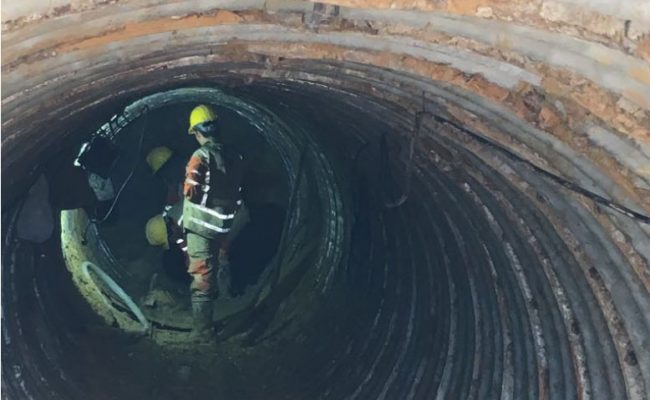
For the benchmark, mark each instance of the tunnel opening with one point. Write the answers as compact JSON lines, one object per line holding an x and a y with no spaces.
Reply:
{"x":144,"y":193}
{"x":115,"y":242}
{"x":471,"y":219}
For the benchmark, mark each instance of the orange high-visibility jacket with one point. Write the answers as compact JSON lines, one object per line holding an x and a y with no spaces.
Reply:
{"x":212,"y":189}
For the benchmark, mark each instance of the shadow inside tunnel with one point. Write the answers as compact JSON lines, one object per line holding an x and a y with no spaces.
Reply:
{"x":255,"y":246}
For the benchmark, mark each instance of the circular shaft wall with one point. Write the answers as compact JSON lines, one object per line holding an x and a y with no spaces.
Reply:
{"x":494,"y":279}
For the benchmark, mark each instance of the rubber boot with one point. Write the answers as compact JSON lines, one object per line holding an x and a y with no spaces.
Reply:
{"x":202,"y":328}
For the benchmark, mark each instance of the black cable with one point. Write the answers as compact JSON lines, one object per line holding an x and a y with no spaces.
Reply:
{"x":415,"y":134}
{"x":91,"y":221}
{"x":409,"y":164}
{"x":556,"y":178}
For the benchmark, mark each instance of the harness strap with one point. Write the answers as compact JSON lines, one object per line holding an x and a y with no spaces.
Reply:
{"x":206,"y":186}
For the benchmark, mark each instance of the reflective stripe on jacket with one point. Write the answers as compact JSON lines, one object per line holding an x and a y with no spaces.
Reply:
{"x":212,"y":190}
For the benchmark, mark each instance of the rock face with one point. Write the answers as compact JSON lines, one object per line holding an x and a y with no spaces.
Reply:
{"x":35,"y":221}
{"x":519,"y":132}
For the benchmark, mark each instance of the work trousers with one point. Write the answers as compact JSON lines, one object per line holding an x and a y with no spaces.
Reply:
{"x":204,"y":261}
{"x":209,"y":257}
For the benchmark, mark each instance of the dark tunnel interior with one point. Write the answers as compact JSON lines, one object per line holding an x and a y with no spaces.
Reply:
{"x":383,"y":296}
{"x":123,"y":234}
{"x":407,"y":238}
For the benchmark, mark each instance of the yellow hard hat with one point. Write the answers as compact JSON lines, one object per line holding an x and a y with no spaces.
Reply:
{"x":157,"y":157}
{"x":199,"y":115}
{"x":156,"y":231}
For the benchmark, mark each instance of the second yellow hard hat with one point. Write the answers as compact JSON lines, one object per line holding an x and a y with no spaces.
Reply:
{"x":156,"y":232}
{"x":157,"y":157}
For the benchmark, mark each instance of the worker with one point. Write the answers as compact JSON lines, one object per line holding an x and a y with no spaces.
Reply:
{"x":166,"y":230}
{"x":212,"y":200}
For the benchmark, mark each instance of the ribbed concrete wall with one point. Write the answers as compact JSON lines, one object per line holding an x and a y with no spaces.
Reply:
{"x":496,"y":279}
